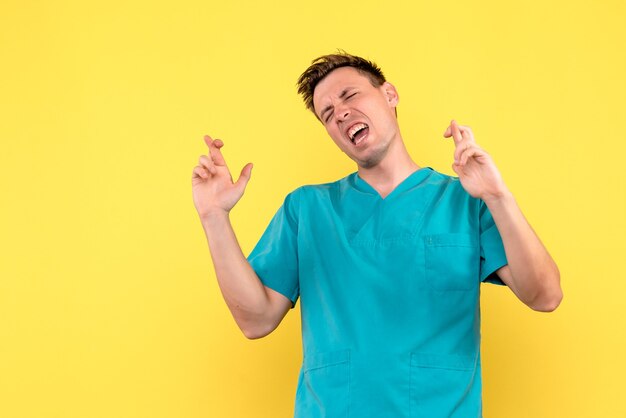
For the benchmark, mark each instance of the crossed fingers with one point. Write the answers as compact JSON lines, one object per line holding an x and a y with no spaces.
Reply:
{"x":465,"y":145}
{"x":207,"y":163}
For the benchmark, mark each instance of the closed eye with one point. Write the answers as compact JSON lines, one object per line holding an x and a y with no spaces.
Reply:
{"x":330,"y":111}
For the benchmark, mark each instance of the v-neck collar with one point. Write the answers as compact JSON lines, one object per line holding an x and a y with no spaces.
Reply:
{"x":412,"y":180}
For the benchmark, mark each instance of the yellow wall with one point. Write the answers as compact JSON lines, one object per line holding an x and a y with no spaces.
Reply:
{"x":108,"y":303}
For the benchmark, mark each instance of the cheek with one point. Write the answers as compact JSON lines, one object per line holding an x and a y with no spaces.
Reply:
{"x":334,"y":133}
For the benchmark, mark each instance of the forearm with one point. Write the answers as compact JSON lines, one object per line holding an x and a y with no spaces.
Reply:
{"x":244,"y":293}
{"x":534,"y":275}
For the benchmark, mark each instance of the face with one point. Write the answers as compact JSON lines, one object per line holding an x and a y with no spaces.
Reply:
{"x":359,"y":117}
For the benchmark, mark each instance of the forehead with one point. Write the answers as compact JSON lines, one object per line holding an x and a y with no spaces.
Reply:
{"x":338,"y":80}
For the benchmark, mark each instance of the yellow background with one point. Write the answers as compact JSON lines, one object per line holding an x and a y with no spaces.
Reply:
{"x":108,"y":302}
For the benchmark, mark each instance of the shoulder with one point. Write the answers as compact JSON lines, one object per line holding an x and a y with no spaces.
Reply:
{"x":447,"y":184}
{"x":444,"y":180}
{"x":450,"y":191}
{"x":311,"y":199}
{"x":322,"y":190}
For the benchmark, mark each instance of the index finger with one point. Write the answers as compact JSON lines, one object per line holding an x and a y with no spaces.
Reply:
{"x":210,"y":142}
{"x":456,"y":133}
{"x":214,"y":150}
{"x":466,"y":133}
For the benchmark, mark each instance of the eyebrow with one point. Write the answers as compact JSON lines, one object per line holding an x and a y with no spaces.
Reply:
{"x":341,"y":96}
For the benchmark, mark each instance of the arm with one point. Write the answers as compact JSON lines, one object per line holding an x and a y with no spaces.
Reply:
{"x":531,"y":273}
{"x":257,"y":310}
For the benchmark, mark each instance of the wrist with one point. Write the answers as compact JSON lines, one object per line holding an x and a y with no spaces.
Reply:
{"x":500,"y":197}
{"x":214,"y":214}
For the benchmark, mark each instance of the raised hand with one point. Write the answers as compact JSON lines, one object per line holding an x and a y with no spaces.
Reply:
{"x":212,"y":185}
{"x":476,"y":170}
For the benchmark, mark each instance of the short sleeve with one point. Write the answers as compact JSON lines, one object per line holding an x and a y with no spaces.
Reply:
{"x":275,"y":256}
{"x":492,"y":255}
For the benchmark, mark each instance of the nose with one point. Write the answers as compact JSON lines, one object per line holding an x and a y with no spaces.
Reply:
{"x":342,"y":113}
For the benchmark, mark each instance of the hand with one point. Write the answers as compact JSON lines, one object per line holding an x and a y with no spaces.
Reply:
{"x":476,"y":170}
{"x":212,"y":185}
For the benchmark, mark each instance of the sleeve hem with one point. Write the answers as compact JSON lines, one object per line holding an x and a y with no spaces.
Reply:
{"x":488,"y":275}
{"x":291,"y":294}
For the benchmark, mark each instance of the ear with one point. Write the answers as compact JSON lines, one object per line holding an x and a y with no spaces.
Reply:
{"x":391,"y":93}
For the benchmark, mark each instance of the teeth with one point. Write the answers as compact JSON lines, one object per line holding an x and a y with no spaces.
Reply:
{"x":354,"y":129}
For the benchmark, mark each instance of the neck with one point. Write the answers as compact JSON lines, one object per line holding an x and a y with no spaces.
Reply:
{"x":395,"y":167}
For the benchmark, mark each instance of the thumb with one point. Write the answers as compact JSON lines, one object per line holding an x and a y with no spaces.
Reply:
{"x":244,"y":177}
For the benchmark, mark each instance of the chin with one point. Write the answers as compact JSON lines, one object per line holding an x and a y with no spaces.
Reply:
{"x":371,"y":160}
{"x":368,"y":163}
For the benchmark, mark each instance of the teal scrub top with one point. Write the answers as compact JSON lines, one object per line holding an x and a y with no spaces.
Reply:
{"x":389,"y":294}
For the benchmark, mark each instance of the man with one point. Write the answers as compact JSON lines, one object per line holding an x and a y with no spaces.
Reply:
{"x":387,"y":262}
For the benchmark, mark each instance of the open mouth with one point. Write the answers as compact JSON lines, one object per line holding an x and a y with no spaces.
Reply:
{"x":358,"y":132}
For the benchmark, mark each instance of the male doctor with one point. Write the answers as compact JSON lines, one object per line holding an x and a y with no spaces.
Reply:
{"x":387,"y":261}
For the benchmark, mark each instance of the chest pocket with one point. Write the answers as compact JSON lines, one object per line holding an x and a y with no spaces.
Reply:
{"x":452,"y":261}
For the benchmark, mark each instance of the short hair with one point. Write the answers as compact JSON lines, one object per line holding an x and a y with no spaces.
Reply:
{"x":322,"y":66}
